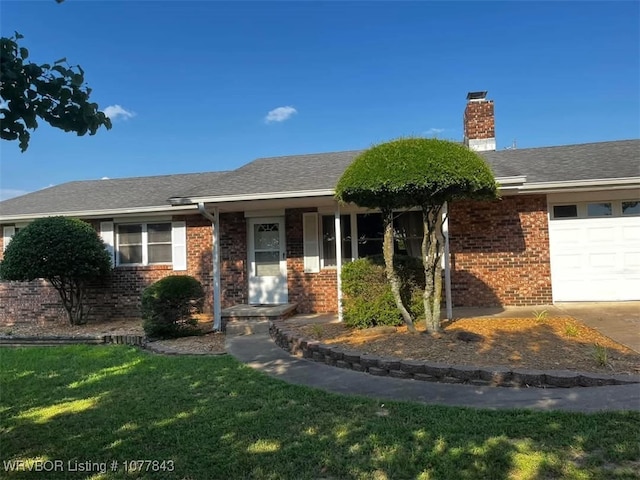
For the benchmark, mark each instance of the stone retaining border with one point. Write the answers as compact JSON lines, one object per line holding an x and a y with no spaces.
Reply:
{"x":341,"y":357}
{"x":53,"y":340}
{"x":135,"y":340}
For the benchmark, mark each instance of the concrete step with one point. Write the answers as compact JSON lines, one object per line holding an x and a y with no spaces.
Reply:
{"x":246,"y":326}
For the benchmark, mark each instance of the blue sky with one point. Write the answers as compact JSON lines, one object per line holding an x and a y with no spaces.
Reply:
{"x":203,"y":86}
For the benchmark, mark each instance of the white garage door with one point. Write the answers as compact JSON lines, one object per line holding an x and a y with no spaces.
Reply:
{"x":595,"y":250}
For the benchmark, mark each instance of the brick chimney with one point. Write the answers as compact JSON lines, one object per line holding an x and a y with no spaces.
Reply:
{"x":479,"y":123}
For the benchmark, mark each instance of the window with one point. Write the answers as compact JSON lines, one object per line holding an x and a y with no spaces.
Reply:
{"x":565,"y":211}
{"x":329,"y":239}
{"x":631,"y":207}
{"x":602,"y":209}
{"x":370,"y":234}
{"x":407,"y":227}
{"x":408,"y":232}
{"x":144,"y":243}
{"x":8,"y":233}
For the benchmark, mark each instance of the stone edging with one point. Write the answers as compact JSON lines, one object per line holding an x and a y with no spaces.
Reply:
{"x":58,"y":340}
{"x":341,"y":357}
{"x":51,"y":340}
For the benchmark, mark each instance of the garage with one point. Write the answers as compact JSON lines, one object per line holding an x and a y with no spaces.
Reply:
{"x":594,"y":242}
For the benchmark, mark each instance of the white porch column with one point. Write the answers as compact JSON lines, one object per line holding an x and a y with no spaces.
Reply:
{"x":447,"y":263}
{"x":215,"y":248}
{"x":338,"y":229}
{"x":217,"y":310}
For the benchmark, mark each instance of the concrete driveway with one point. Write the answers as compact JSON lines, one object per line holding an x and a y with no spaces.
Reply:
{"x":619,"y":321}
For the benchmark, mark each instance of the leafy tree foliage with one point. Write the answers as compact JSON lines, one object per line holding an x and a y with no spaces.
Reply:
{"x":417,"y":172}
{"x":66,"y":252}
{"x":54,"y":93}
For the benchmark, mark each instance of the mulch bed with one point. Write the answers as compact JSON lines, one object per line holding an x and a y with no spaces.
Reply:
{"x":559,"y":343}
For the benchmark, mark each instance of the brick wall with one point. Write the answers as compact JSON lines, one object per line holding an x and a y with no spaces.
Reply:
{"x":233,"y":259}
{"x":478,"y":120}
{"x":500,"y":252}
{"x":500,"y":256}
{"x":314,"y":292}
{"x":117,"y":296}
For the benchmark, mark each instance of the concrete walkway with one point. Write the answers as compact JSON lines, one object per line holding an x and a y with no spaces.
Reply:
{"x":260,"y":352}
{"x":619,"y":321}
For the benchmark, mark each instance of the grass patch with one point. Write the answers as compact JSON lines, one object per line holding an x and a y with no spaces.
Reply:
{"x":541,"y":316}
{"x":216,"y":418}
{"x":600,"y":354}
{"x":571,"y":330}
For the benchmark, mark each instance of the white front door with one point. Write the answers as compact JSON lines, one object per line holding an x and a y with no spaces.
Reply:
{"x":267,"y":261}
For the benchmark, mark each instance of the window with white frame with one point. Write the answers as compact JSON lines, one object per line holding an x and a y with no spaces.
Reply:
{"x":8,"y":233}
{"x":631,"y":207}
{"x":369,"y":235}
{"x":144,"y":243}
{"x":604,"y":209}
{"x":329,"y":239}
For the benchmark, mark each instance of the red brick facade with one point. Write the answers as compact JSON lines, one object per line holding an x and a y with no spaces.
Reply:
{"x":116,"y":297}
{"x":479,"y":120}
{"x":500,"y":252}
{"x":314,"y":292}
{"x":499,"y":256}
{"x":233,"y":259}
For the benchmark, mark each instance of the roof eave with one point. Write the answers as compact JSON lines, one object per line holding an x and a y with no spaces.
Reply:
{"x":505,"y":183}
{"x":581,"y":185}
{"x":89,"y":214}
{"x":181,"y":201}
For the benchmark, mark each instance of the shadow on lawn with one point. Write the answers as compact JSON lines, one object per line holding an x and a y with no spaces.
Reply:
{"x":215,"y":418}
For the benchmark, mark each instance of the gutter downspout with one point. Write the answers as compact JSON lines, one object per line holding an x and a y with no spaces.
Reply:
{"x":215,"y":225}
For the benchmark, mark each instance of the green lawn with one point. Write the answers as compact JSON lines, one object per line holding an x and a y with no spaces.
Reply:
{"x":211,"y":417}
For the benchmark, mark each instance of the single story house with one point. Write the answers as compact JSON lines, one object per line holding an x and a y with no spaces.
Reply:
{"x":567,"y":228}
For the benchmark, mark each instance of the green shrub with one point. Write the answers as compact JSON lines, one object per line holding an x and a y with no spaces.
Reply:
{"x":367,"y":298}
{"x":66,"y":252}
{"x":168,"y":306}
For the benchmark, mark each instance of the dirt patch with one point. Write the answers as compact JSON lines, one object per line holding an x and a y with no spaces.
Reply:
{"x":212,"y":343}
{"x":550,"y":344}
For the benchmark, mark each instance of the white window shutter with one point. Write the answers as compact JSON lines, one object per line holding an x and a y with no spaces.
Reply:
{"x":107,"y":235}
{"x":7,"y":235}
{"x":311,"y":243}
{"x":179,"y":245}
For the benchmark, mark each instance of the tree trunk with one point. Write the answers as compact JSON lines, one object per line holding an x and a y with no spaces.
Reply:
{"x":431,"y":256}
{"x":72,"y":294}
{"x":392,"y":276}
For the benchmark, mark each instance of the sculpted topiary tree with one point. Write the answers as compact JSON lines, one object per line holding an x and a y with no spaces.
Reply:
{"x":66,"y":252}
{"x":417,"y":172}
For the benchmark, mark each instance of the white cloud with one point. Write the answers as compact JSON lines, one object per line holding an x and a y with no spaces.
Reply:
{"x":280,"y":114}
{"x":433,"y":132}
{"x":116,"y":111}
{"x":7,"y":193}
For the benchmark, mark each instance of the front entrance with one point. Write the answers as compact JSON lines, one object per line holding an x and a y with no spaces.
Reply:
{"x":267,"y":261}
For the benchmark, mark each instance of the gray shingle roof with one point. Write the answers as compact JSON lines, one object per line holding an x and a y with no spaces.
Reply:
{"x":109,"y":194}
{"x":587,"y":161}
{"x":317,"y":171}
{"x":604,"y":160}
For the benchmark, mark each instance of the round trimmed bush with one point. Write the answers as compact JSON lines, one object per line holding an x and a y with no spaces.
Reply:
{"x":168,"y":306}
{"x":367,"y":298}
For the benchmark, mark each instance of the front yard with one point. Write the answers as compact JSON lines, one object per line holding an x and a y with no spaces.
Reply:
{"x":211,"y":417}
